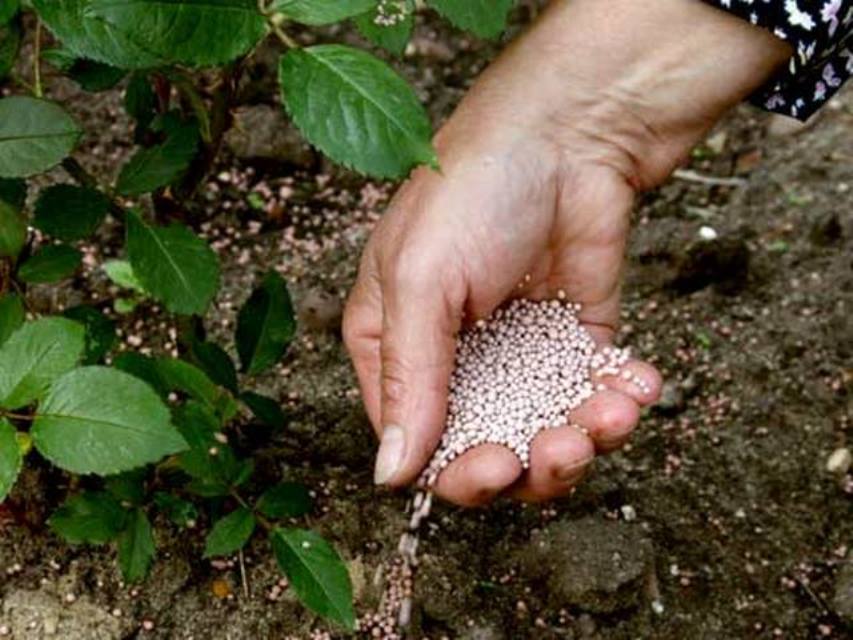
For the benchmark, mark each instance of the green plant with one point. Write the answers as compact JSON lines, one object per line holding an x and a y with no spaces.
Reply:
{"x":155,"y":430}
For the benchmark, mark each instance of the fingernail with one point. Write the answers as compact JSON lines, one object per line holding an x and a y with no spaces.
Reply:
{"x":573,"y":471}
{"x":390,"y":455}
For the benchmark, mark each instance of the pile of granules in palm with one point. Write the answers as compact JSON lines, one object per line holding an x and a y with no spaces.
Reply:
{"x":522,"y":370}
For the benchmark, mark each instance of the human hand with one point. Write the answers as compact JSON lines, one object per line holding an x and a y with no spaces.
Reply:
{"x":540,"y":164}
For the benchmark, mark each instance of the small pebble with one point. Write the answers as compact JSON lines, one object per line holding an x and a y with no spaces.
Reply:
{"x":839,"y":461}
{"x":628,"y":513}
{"x":708,"y":233}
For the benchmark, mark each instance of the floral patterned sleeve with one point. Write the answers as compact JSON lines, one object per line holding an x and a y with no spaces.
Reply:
{"x":821,"y":34}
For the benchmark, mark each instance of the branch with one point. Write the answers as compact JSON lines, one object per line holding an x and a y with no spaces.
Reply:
{"x":37,"y":89}
{"x":691,"y":176}
{"x":283,"y":37}
{"x":23,"y":296}
{"x":219,"y":121}
{"x":16,"y":416}
{"x":265,"y":524}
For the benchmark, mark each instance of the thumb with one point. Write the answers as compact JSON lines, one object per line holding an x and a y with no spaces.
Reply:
{"x":418,"y":344}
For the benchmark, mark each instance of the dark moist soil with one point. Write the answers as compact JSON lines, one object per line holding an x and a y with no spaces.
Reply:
{"x":719,"y":521}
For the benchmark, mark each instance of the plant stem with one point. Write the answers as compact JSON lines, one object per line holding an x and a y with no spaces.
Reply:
{"x":240,"y":500}
{"x":37,"y":89}
{"x":19,"y":80}
{"x":79,"y":173}
{"x":23,"y":295}
{"x":283,"y":37}
{"x":187,"y":88}
{"x":220,"y":120}
{"x":266,"y":524}
{"x":16,"y":416}
{"x":243,"y":577}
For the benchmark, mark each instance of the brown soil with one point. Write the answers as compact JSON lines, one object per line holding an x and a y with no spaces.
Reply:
{"x":719,"y":521}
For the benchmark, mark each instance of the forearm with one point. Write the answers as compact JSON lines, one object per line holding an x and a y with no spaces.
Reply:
{"x":645,"y":78}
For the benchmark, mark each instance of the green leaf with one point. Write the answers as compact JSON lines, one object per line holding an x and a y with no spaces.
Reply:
{"x":13,"y":226}
{"x":173,"y":264}
{"x":13,"y":191}
{"x":180,"y":512}
{"x":100,"y":331}
{"x":35,"y":135}
{"x":143,"y":367}
{"x":216,"y":363}
{"x":230,"y":533}
{"x":95,"y":76}
{"x":11,"y":315}
{"x":319,"y":12}
{"x":51,"y":263}
{"x":34,"y":356}
{"x":356,"y":109}
{"x":316,"y":572}
{"x":8,"y":8}
{"x":182,"y":376}
{"x":125,"y":305}
{"x":140,"y":102}
{"x":265,"y":325}
{"x":208,"y":489}
{"x":285,"y":500}
{"x":160,"y":165}
{"x":13,"y":230}
{"x":11,"y":460}
{"x":70,"y":213}
{"x":207,"y":460}
{"x":244,"y":472}
{"x":11,"y":36}
{"x":391,"y":37}
{"x":60,"y":58}
{"x":92,"y":517}
{"x":89,"y":74}
{"x":483,"y":18}
{"x":101,"y":420}
{"x":88,"y":36}
{"x":166,"y":375}
{"x":193,"y":32}
{"x":136,"y":547}
{"x":120,"y":272}
{"x":265,"y":409}
{"x":128,"y":487}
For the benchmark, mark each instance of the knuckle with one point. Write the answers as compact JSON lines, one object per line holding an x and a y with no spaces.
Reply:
{"x":409,"y":275}
{"x":394,"y":377}
{"x":350,"y":325}
{"x":413,"y":268}
{"x":618,"y":421}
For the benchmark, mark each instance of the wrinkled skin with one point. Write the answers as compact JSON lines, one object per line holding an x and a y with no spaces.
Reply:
{"x":540,"y":165}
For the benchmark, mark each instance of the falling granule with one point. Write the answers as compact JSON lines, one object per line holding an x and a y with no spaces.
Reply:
{"x":524,"y":369}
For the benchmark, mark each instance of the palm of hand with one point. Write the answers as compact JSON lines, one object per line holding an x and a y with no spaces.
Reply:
{"x":515,"y":220}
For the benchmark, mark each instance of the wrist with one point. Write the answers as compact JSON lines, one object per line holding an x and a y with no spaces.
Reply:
{"x":635,"y":84}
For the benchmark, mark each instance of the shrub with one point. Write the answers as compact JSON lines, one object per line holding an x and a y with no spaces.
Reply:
{"x":155,"y":429}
